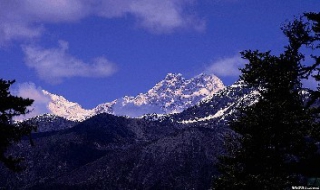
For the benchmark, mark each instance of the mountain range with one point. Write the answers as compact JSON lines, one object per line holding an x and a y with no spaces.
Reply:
{"x":171,"y":95}
{"x":179,"y":150}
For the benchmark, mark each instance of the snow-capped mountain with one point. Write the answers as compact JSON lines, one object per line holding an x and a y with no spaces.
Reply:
{"x":171,"y":95}
{"x":60,"y":106}
{"x":221,"y":107}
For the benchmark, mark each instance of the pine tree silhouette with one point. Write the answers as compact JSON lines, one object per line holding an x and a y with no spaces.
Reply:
{"x":274,"y":132}
{"x":10,"y":132}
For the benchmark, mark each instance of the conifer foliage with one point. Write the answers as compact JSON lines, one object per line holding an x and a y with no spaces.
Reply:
{"x":10,"y":132}
{"x":311,"y":40}
{"x":274,"y":131}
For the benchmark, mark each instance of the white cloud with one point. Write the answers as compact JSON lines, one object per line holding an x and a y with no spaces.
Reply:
{"x":25,"y":19}
{"x":55,"y":64}
{"x":226,"y":67}
{"x":41,"y":101}
{"x":164,"y":16}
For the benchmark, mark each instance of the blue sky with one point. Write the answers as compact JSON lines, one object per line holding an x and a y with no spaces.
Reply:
{"x":96,"y":51}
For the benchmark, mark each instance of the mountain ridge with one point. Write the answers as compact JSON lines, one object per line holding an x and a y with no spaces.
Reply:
{"x":116,"y":152}
{"x":173,"y":94}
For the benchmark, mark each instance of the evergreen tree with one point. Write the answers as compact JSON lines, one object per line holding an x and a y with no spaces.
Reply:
{"x":312,"y":41}
{"x":274,"y":130}
{"x":306,"y":33}
{"x":10,"y":132}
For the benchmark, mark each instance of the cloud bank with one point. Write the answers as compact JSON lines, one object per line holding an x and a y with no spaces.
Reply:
{"x":55,"y":64}
{"x":29,"y":90}
{"x":25,"y":19}
{"x":226,"y":67}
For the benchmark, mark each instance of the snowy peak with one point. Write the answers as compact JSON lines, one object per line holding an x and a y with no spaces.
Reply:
{"x":171,"y":95}
{"x":174,"y":77}
{"x":169,"y":84}
{"x":207,"y":84}
{"x":175,"y":84}
{"x":60,"y":106}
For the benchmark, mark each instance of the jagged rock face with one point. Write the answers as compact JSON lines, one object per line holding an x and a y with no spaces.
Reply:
{"x":221,"y":107}
{"x":171,"y":95}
